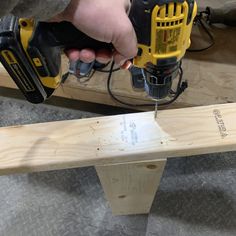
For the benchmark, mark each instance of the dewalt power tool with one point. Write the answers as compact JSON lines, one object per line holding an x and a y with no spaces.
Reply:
{"x":31,"y":51}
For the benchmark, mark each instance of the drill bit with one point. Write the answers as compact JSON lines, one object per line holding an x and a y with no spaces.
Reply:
{"x":156,"y":109}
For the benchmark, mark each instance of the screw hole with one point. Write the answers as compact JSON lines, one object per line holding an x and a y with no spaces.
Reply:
{"x":98,"y":149}
{"x":151,"y":167}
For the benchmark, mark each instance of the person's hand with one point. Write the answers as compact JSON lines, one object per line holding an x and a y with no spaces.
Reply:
{"x":104,"y":20}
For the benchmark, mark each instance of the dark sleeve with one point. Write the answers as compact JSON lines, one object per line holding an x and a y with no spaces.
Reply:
{"x":39,"y":9}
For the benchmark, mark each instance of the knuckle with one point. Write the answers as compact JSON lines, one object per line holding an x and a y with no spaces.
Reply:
{"x":126,"y":30}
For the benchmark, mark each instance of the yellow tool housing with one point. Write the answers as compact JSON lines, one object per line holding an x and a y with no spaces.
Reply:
{"x":170,"y":33}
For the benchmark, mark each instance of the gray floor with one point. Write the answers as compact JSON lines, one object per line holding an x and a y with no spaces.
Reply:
{"x":197,"y":195}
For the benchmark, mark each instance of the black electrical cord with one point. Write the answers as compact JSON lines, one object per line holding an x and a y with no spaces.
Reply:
{"x":180,"y":89}
{"x":89,"y":76}
{"x":65,"y":77}
{"x":181,"y":86}
{"x":107,"y":71}
{"x":117,"y":99}
{"x":199,"y":21}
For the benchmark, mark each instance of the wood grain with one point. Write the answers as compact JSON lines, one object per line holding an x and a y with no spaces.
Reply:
{"x":131,"y":188}
{"x":118,"y":139}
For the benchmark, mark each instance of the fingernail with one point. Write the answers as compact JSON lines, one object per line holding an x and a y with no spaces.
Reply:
{"x":122,"y":62}
{"x":102,"y":60}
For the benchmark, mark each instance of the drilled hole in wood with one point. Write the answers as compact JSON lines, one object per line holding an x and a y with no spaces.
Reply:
{"x":98,"y":149}
{"x":161,"y":142}
{"x":97,"y":122}
{"x":151,"y":167}
{"x":122,"y":196}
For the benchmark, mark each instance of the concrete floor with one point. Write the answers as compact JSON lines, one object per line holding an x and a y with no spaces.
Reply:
{"x":197,"y":195}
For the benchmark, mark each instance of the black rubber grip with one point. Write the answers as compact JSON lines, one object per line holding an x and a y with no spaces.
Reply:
{"x":50,"y":39}
{"x":66,"y":35}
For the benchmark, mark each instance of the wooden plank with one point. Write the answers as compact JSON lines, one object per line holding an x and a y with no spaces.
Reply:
{"x":131,"y":188}
{"x":118,"y":139}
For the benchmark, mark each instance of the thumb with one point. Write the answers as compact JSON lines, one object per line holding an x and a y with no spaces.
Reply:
{"x":124,"y":40}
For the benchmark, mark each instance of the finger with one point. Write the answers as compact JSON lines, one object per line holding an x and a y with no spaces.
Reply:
{"x":103,"y":56}
{"x":119,"y":59}
{"x":125,"y":41}
{"x":87,"y":55}
{"x":73,"y":54}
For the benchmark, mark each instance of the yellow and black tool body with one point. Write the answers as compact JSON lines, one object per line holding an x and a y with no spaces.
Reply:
{"x":31,"y":51}
{"x":163,"y":29}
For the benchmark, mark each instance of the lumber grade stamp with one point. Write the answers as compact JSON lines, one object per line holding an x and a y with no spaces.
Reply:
{"x":220,"y":122}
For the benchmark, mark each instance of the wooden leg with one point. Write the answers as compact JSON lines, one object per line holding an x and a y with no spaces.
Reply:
{"x":130,"y":188}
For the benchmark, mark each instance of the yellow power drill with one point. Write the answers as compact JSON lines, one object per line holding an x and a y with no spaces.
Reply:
{"x":31,"y":51}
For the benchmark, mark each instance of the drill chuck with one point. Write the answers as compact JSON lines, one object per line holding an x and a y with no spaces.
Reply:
{"x":158,"y":79}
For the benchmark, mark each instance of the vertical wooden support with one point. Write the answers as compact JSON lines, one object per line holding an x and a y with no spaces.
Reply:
{"x":131,"y":188}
